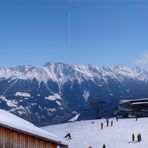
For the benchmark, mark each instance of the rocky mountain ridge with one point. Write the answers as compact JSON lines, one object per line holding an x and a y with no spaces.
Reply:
{"x":60,"y":92}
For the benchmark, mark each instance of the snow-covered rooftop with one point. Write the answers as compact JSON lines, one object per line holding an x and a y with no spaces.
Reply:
{"x":134,"y":100}
{"x":139,"y":103}
{"x":16,"y":123}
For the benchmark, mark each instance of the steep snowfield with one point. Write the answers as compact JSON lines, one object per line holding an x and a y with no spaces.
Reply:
{"x":85,"y":134}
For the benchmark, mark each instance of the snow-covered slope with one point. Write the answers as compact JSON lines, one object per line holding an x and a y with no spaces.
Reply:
{"x":85,"y":134}
{"x":58,"y":92}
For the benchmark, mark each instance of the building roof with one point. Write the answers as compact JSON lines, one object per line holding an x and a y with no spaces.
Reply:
{"x":133,"y":100}
{"x":139,"y":103}
{"x":13,"y":122}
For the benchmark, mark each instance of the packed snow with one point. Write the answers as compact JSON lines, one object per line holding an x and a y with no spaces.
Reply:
{"x":75,"y":118}
{"x":59,"y":102}
{"x":11,"y":103}
{"x":89,"y":133}
{"x":53,"y":97}
{"x":22,"y":94}
{"x":51,"y":109}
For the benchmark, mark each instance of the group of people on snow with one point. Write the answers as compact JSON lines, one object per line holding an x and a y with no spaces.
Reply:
{"x":107,"y":123}
{"x":138,"y":137}
{"x":68,"y":135}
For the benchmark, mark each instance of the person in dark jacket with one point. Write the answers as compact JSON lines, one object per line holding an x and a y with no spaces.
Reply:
{"x":101,"y":125}
{"x":139,"y":137}
{"x":68,"y":136}
{"x":112,"y":123}
{"x":104,"y":146}
{"x":107,"y":122}
{"x":133,"y":137}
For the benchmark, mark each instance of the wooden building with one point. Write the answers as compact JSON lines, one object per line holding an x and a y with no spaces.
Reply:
{"x":18,"y":133}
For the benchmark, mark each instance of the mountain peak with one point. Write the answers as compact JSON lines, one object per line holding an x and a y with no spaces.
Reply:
{"x":23,"y":68}
{"x":56,"y":63}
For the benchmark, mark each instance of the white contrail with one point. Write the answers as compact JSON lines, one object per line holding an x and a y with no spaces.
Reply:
{"x":69,"y":28}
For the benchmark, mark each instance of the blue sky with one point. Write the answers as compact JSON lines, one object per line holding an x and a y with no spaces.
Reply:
{"x":102,"y":32}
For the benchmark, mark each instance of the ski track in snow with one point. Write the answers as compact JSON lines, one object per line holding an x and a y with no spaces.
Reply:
{"x":85,"y":134}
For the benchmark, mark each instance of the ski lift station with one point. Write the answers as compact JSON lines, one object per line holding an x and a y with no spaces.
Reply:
{"x":133,"y":107}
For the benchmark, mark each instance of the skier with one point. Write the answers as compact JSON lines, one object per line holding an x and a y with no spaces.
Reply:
{"x":104,"y":146}
{"x":112,"y":123}
{"x":133,"y":137}
{"x":139,"y":137}
{"x":101,"y":125}
{"x":90,"y":147}
{"x":68,"y":136}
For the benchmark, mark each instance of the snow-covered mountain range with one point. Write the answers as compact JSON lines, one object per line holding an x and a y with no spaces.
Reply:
{"x":60,"y":92}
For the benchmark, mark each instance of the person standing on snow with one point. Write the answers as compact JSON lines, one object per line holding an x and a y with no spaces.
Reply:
{"x":133,"y":137}
{"x":101,"y":125}
{"x":107,"y":122}
{"x":112,"y":123}
{"x":139,"y":137}
{"x":104,"y":146}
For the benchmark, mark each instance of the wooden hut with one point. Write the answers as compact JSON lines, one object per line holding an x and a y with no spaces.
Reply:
{"x":18,"y":133}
